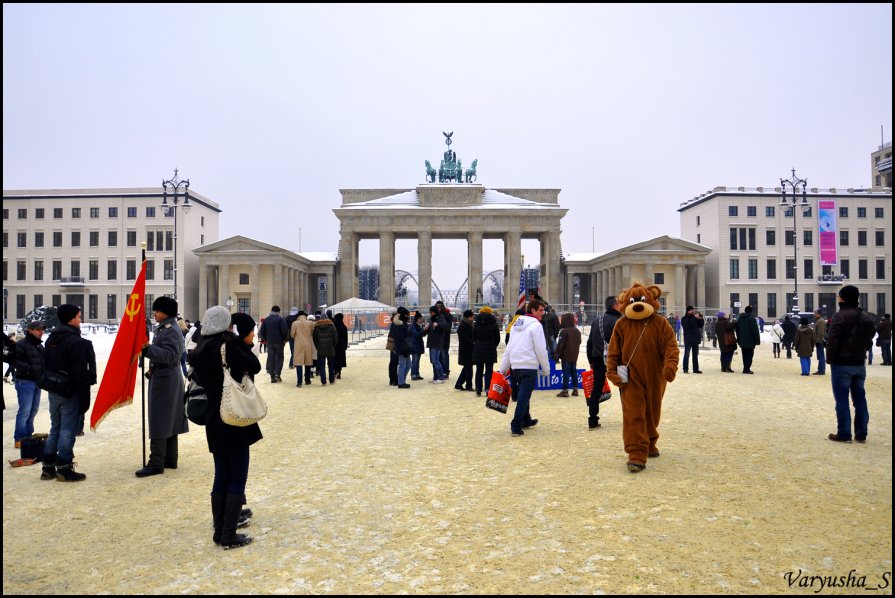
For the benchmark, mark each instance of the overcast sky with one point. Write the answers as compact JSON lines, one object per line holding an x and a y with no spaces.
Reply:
{"x":270,"y":110}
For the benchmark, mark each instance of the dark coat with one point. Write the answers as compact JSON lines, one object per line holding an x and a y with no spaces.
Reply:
{"x":747,"y":331}
{"x":465,"y":342}
{"x":692,"y":327}
{"x":416,"y":339}
{"x":29,"y":358}
{"x":849,"y":336}
{"x":273,"y":329}
{"x":342,"y":344}
{"x":804,"y":344}
{"x":789,"y":330}
{"x":485,"y":338}
{"x":207,"y":367}
{"x":569,"y":344}
{"x":66,"y":351}
{"x":436,"y":330}
{"x":722,"y":326}
{"x":325,"y":338}
{"x":595,"y":340}
{"x":167,"y":414}
{"x":401,"y":334}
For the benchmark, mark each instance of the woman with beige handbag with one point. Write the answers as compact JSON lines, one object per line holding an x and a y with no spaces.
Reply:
{"x":229,"y":445}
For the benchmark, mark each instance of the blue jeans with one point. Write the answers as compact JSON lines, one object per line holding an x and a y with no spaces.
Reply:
{"x":524,"y":382}
{"x":695,"y":349}
{"x":29,"y":402}
{"x":821,"y":358}
{"x":806,"y":365}
{"x":415,"y":365}
{"x":569,"y":371}
{"x":845,"y":379}
{"x":435,"y":358}
{"x":445,"y":362}
{"x":403,"y":368}
{"x":64,"y":418}
{"x":886,"y":348}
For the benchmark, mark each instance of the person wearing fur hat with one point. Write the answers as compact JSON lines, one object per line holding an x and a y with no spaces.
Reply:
{"x":66,"y":351}
{"x":228,"y":445}
{"x":849,"y":336}
{"x":167,"y":415}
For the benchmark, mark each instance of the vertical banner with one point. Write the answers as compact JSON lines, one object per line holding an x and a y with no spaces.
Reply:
{"x":827,"y":233}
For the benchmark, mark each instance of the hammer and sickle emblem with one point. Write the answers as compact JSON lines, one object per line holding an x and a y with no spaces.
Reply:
{"x":133,"y":308}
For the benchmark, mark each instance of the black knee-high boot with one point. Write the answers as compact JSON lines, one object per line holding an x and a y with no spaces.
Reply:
{"x":218,"y":500}
{"x":232,"y":510}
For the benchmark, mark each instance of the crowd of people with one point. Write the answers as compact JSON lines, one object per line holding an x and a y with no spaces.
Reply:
{"x":65,"y":366}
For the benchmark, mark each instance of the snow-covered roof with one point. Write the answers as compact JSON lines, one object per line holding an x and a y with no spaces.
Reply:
{"x":490,"y":199}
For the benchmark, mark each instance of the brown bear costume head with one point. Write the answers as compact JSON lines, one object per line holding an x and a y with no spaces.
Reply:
{"x":639,"y":301}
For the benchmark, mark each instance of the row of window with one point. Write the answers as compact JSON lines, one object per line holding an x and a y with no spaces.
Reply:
{"x":770,"y":212}
{"x":743,"y":239}
{"x":91,"y":308}
{"x":92,"y":270}
{"x":75,"y":213}
{"x":824,"y":300}
{"x":808,"y":269}
{"x":155,"y":240}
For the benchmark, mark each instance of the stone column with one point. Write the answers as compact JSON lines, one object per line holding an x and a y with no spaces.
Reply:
{"x":570,"y":287}
{"x":550,"y":280}
{"x":203,"y":289}
{"x":348,"y":266}
{"x":424,"y":269}
{"x":255,"y":300}
{"x":680,"y":289}
{"x":649,"y":274}
{"x":329,"y":289}
{"x":387,"y":267}
{"x":474,"y":265}
{"x":512,"y":257}
{"x":284,"y":289}
{"x":626,"y":276}
{"x":224,"y":284}
{"x":700,"y":287}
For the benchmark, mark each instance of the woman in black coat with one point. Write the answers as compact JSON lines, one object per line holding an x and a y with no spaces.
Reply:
{"x":464,"y":351}
{"x":229,"y":445}
{"x":341,"y":345}
{"x":485,"y":338}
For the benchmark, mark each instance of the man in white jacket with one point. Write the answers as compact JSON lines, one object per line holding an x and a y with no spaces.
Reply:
{"x":526,"y":351}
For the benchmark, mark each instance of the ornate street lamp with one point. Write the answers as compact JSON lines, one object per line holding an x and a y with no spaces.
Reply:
{"x":175,"y":184}
{"x":792,"y":202}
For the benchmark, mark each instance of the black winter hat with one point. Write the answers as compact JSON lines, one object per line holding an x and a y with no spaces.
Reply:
{"x":67,"y":312}
{"x":244,"y":324}
{"x":849,"y":294}
{"x":166,"y":305}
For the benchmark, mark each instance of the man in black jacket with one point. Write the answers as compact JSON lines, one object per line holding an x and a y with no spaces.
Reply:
{"x":597,"y":341}
{"x":72,"y":361}
{"x":850,"y":335}
{"x":29,"y":364}
{"x":273,"y":331}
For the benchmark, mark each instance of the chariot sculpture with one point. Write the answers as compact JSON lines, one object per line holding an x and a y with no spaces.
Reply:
{"x":451,"y":168}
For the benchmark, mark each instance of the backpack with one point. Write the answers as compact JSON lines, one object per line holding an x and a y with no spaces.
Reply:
{"x":196,"y":400}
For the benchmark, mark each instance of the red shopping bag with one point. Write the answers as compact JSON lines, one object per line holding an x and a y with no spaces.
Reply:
{"x":499,"y":393}
{"x":587,"y":382}
{"x":607,"y":392}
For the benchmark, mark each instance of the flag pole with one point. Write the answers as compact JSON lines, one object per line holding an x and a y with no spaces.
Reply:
{"x":143,"y":361}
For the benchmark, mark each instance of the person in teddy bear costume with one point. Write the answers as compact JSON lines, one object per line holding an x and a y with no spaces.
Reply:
{"x":644,"y":341}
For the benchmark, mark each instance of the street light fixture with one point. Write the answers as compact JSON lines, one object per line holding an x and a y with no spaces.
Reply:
{"x":793,"y":202}
{"x":175,"y":183}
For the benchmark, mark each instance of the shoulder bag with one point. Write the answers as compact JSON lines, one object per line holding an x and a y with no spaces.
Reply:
{"x":241,"y":403}
{"x":196,"y":400}
{"x":622,"y":369}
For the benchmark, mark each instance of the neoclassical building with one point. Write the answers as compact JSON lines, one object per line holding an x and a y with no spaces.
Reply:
{"x":676,"y":265}
{"x":450,"y":211}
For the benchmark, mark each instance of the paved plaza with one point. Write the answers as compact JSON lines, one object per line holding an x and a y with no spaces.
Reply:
{"x":359,"y":487}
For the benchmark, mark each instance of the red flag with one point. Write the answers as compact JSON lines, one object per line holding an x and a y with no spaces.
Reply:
{"x":117,"y":386}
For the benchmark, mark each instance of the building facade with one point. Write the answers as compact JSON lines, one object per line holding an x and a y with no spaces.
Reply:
{"x":83,"y":246}
{"x":759,"y":247}
{"x":881,"y":167}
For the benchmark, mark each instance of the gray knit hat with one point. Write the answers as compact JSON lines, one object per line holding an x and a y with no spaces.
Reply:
{"x":215,"y":320}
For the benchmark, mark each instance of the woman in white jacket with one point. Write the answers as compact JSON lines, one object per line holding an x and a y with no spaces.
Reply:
{"x":525,"y":353}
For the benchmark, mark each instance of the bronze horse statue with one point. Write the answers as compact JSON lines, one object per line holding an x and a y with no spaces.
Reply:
{"x":470,"y":172}
{"x":430,"y":172}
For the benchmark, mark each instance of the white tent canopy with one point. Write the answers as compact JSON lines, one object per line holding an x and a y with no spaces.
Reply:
{"x":355,"y":304}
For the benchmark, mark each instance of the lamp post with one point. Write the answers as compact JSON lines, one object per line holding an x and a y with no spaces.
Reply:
{"x":175,"y":184}
{"x":229,"y":303}
{"x":793,"y":202}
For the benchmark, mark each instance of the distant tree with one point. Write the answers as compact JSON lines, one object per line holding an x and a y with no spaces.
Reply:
{"x":46,"y":314}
